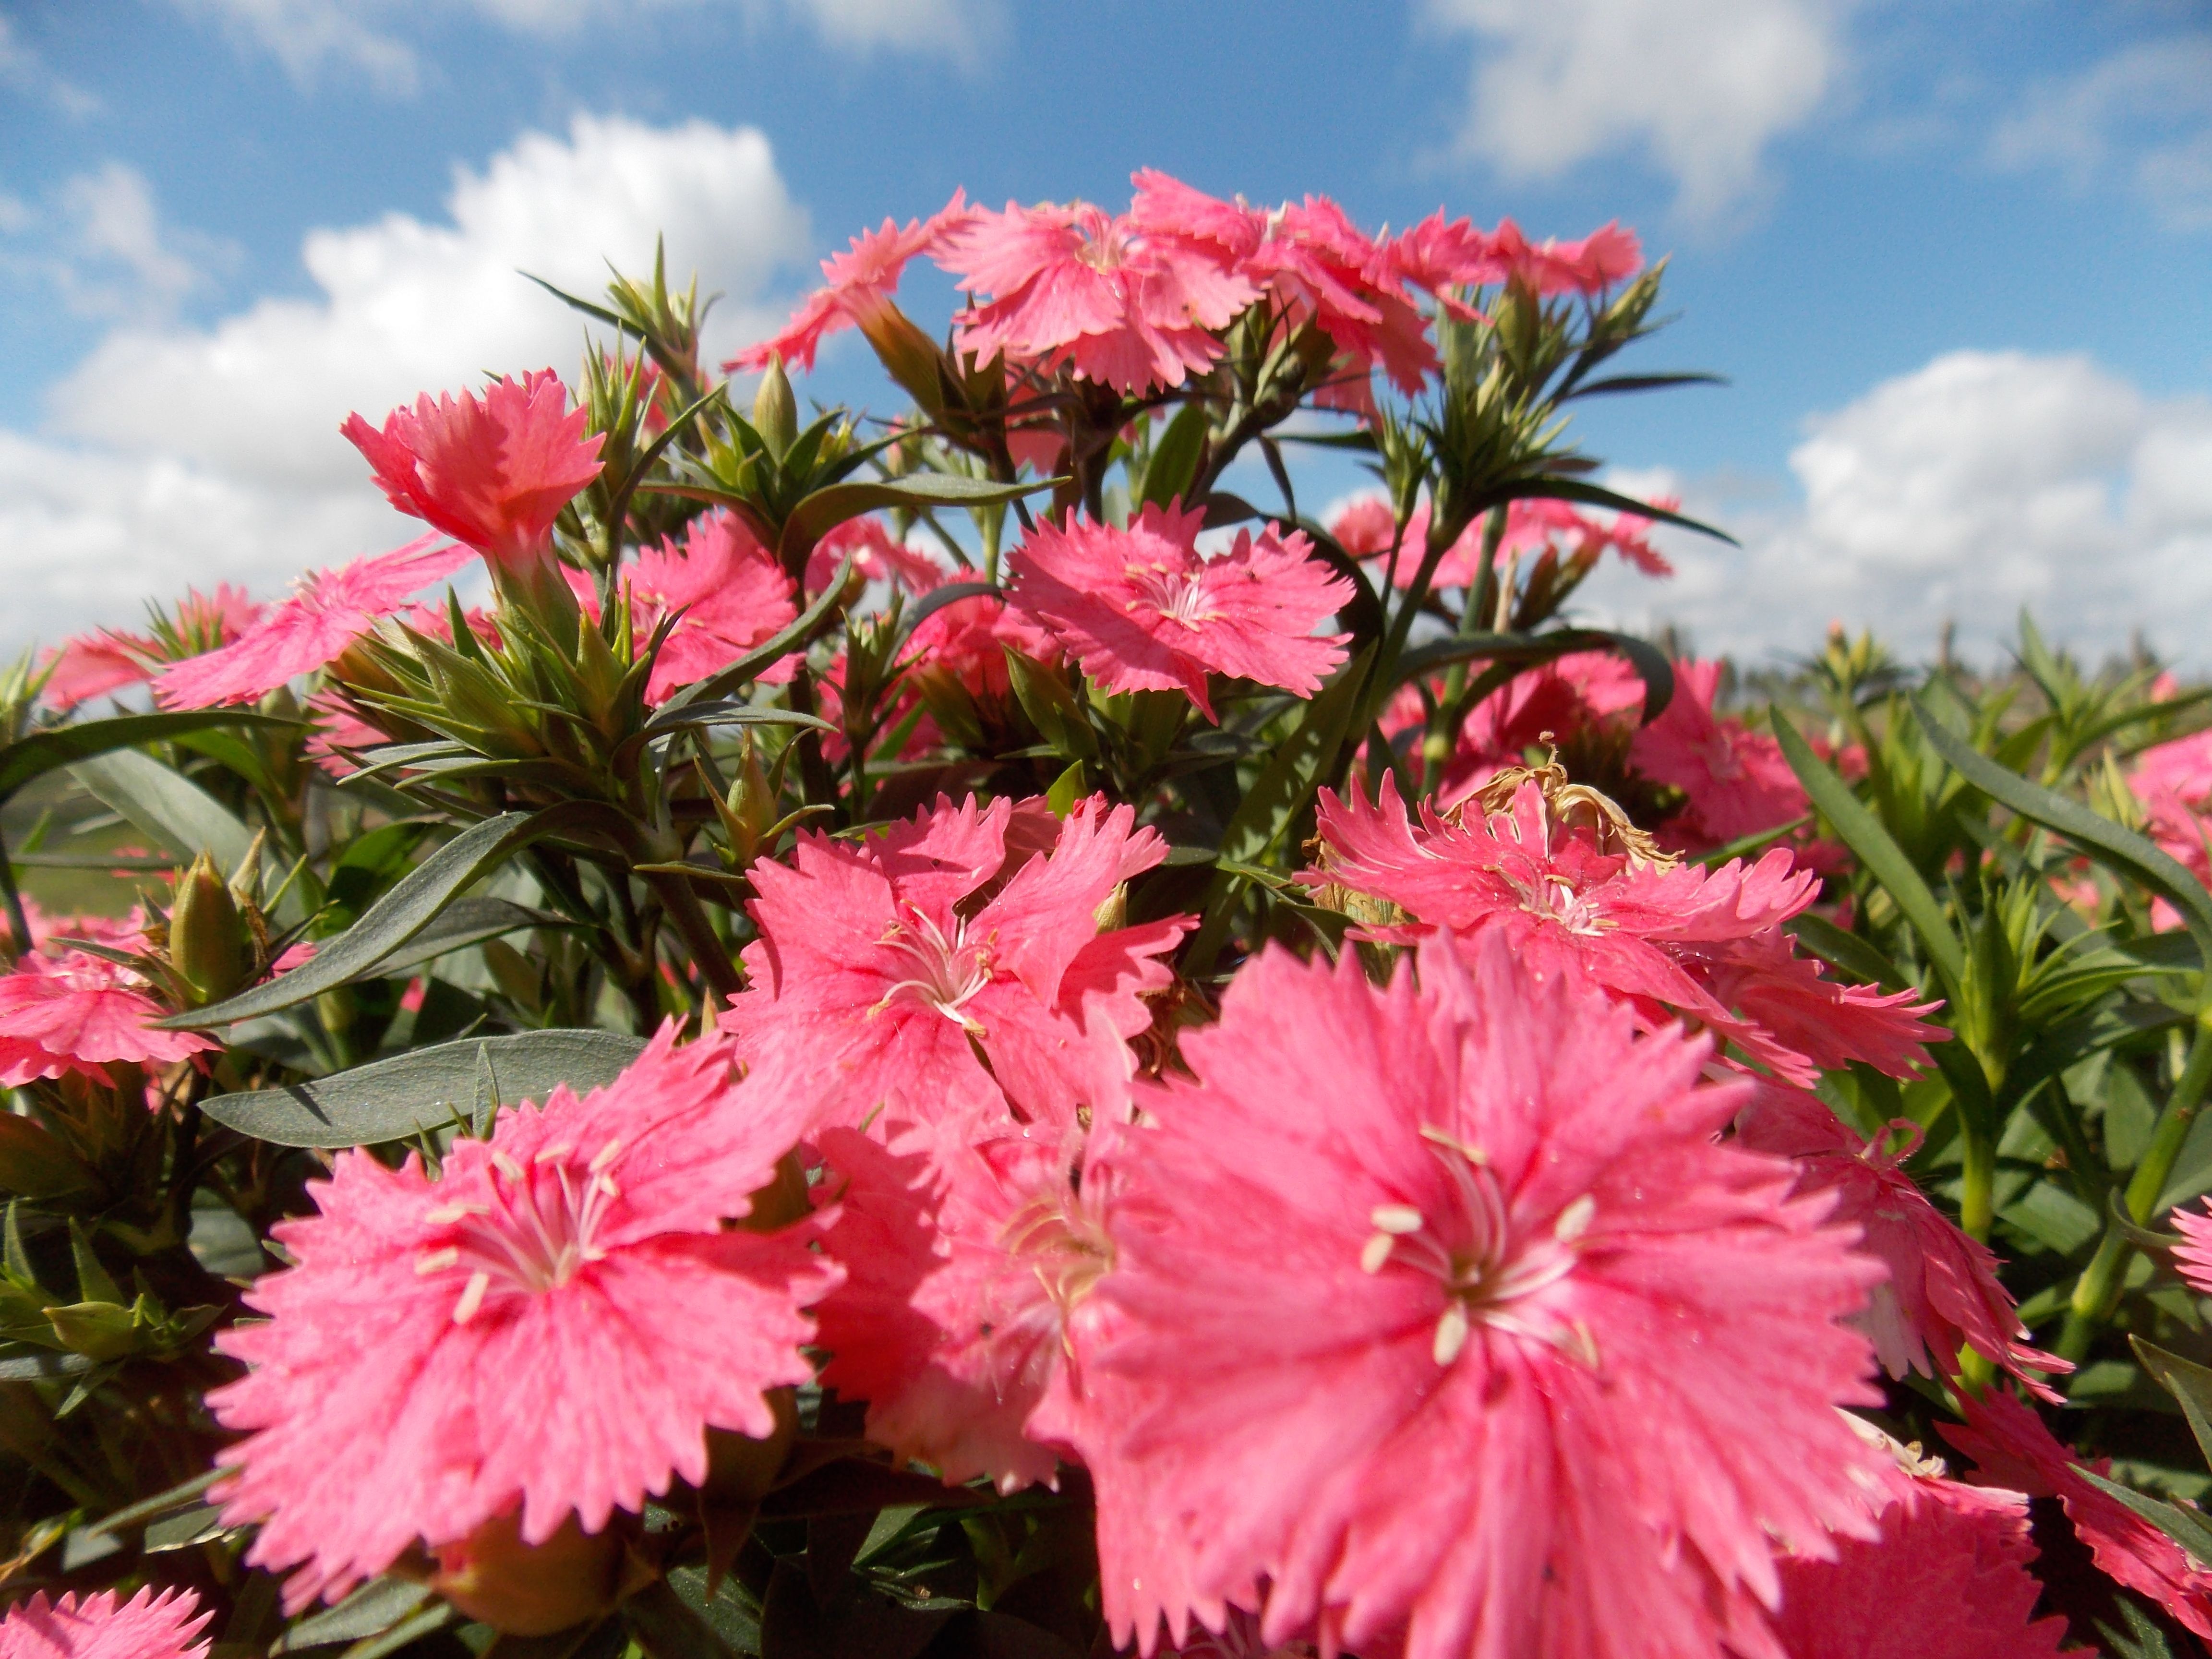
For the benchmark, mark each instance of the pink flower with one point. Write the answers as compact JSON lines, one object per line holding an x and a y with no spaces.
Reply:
{"x":1563,"y":698}
{"x":93,"y":665}
{"x":1606,"y":256}
{"x":552,"y":1322}
{"x":1666,"y":938}
{"x":1466,"y":1335}
{"x":962,"y":1267}
{"x":1071,"y":284}
{"x":876,"y":556}
{"x":75,"y":1012}
{"x":879,"y":978}
{"x":727,"y":594}
{"x":1943,"y":1293}
{"x":1946,"y":1579}
{"x":2011,"y":1448}
{"x":102,"y":1626}
{"x":1365,"y":527}
{"x":1736,"y":780}
{"x":2194,"y":1255}
{"x":1143,"y":609}
{"x":859,"y":284}
{"x":2174,"y":782}
{"x":328,"y":610}
{"x":494,"y":473}
{"x":1531,"y":525}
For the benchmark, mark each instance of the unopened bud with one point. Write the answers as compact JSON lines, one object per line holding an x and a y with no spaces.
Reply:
{"x":529,"y":1589}
{"x":209,"y":945}
{"x":775,"y":411}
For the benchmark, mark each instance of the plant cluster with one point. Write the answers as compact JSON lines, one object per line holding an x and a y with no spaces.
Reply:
{"x":939,"y":1035}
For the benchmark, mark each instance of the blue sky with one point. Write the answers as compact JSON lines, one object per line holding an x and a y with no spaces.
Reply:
{"x":1949,"y":252}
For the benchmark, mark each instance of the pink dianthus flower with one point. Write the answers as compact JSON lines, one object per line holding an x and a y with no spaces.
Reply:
{"x":1143,"y":609}
{"x":857,"y":283}
{"x":1468,"y":1336}
{"x":327,"y":612}
{"x":493,"y":472}
{"x":1735,"y":780}
{"x":65,"y":1011}
{"x":93,"y":665}
{"x":103,"y":1627}
{"x":725,"y":593}
{"x":1943,"y":1294}
{"x":552,"y":1324}
{"x":882,"y":968}
{"x":1667,"y":938}
{"x":2011,"y":1448}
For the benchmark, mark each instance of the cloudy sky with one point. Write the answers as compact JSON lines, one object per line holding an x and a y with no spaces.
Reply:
{"x":1950,"y":253}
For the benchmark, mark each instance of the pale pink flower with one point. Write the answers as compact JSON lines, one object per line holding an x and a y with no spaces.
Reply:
{"x":1948,"y":1578}
{"x":1365,"y":527}
{"x":93,"y":665}
{"x":961,"y":1266}
{"x":1606,"y":256}
{"x":858,"y":285}
{"x":329,"y":610}
{"x":65,"y":1011}
{"x":1666,"y":938}
{"x":1532,"y":525}
{"x":493,"y":472}
{"x":1734,"y":780}
{"x":2011,"y":1448}
{"x":1465,"y":1334}
{"x":553,"y":1322}
{"x":880,"y":981}
{"x":1141,"y":609}
{"x":103,"y":1627}
{"x":727,"y":594}
{"x":1943,"y":1294}
{"x":1132,"y":309}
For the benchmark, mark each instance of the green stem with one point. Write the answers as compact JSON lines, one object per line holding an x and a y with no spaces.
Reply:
{"x":2097,"y":1294}
{"x":18,"y":925}
{"x":1977,"y":1183}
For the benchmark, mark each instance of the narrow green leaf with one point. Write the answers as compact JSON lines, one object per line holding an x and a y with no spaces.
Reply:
{"x":2109,"y":843}
{"x":1847,"y":951}
{"x":1529,"y":650}
{"x":172,"y":810}
{"x":414,"y":902}
{"x":373,"y":1609}
{"x":415,"y":1093}
{"x":825,"y":509}
{"x":938,"y":597}
{"x":1174,"y":464}
{"x":1617,"y":383}
{"x":1863,"y":833}
{"x":1067,"y":789}
{"x":42,"y":751}
{"x":729,"y":712}
{"x":407,"y":1631}
{"x":1589,"y":494}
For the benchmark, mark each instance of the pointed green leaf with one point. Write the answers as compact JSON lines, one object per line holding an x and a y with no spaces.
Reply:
{"x":2109,"y":843}
{"x":2188,"y":1382}
{"x":173,"y":811}
{"x":1884,"y":859}
{"x":1589,"y":494}
{"x":825,"y":509}
{"x":424,"y":1091}
{"x":373,"y":1609}
{"x":42,"y":751}
{"x":2181,"y":1525}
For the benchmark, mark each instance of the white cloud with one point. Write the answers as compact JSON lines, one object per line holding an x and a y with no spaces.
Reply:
{"x":22,"y":71}
{"x":99,"y":241}
{"x":1696,"y":87}
{"x":2142,"y":115}
{"x":406,"y":305}
{"x":1980,"y":483}
{"x":314,"y":38}
{"x":178,"y":454}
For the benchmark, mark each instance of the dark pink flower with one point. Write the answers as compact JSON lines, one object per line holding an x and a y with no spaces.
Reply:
{"x":1141,"y":609}
{"x":65,"y":1011}
{"x":857,"y":283}
{"x":1946,"y":1579}
{"x":552,"y":1324}
{"x":328,"y":610}
{"x":927,"y":974}
{"x":493,"y":472}
{"x":1734,"y":780}
{"x":1943,"y":1294}
{"x":1072,"y":284}
{"x":103,"y":1627}
{"x":2011,"y":1448}
{"x":1465,"y":1334}
{"x":1667,"y":938}
{"x":961,"y":1266}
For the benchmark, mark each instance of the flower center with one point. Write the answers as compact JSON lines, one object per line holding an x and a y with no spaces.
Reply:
{"x":1553,"y":897}
{"x":940,"y":971}
{"x":535,"y":1232}
{"x":1178,"y":595}
{"x":1488,"y":1275}
{"x":1063,"y":1245}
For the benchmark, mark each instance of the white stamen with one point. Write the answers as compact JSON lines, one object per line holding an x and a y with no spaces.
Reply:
{"x":1574,"y":1221}
{"x":1451,"y":1332}
{"x":1396,"y":1218}
{"x":1377,"y":1253}
{"x":437,"y":1261}
{"x":471,"y":1297}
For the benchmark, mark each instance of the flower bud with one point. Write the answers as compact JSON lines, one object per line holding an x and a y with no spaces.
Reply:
{"x":210,"y":947}
{"x":775,"y":411}
{"x":529,"y":1589}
